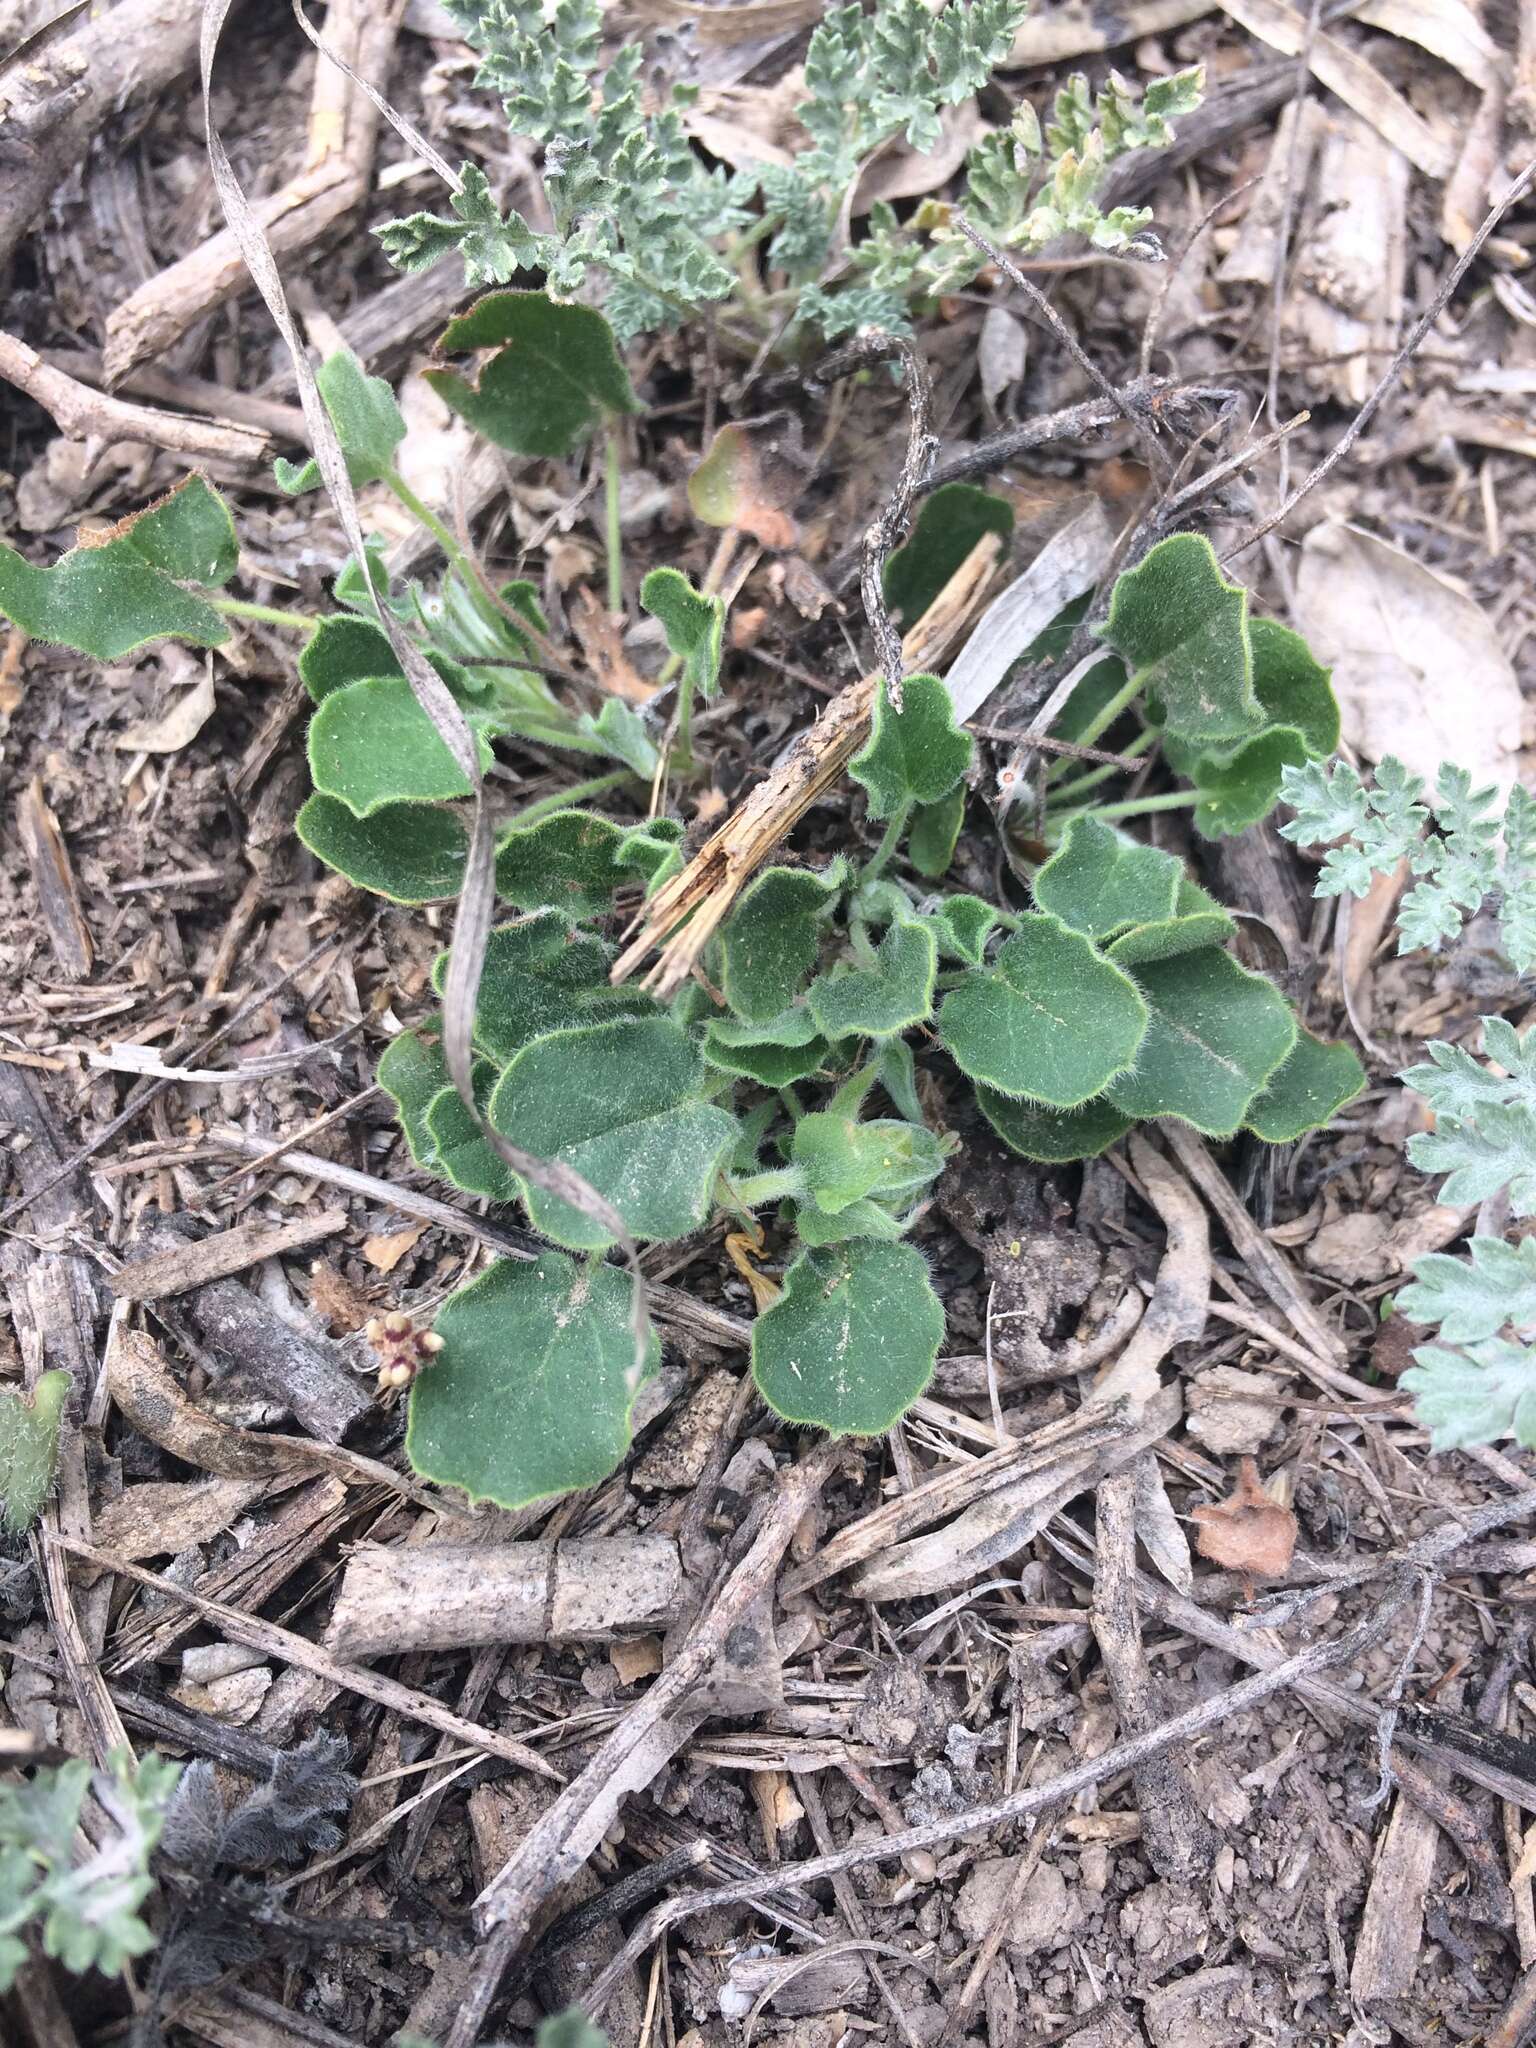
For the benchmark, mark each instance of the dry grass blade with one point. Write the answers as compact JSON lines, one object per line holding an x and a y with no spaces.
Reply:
{"x":703,"y":893}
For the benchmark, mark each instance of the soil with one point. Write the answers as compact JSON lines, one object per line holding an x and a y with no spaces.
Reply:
{"x":1337,"y":1905}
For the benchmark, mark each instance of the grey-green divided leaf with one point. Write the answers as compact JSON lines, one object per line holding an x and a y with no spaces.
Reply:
{"x":935,"y":829}
{"x":914,"y":755}
{"x":574,"y":860}
{"x":1099,"y":881}
{"x":555,"y":377}
{"x":1477,"y":1398}
{"x":893,"y":994}
{"x":368,"y":424}
{"x":1182,"y":629}
{"x":693,"y":623}
{"x":371,"y":744}
{"x":1293,"y":687}
{"x":1242,"y":788}
{"x":850,"y":1343}
{"x":532,"y":1391}
{"x":952,"y":520}
{"x":621,"y":1103}
{"x":843,"y":1159}
{"x":570,"y":2029}
{"x":120,"y":589}
{"x":1472,"y":1299}
{"x":770,"y":944}
{"x":1311,"y":1084}
{"x":29,"y":1448}
{"x":1050,"y":1019}
{"x":1478,"y":1159}
{"x":1054,"y":1136}
{"x":542,"y":973}
{"x":410,"y":853}
{"x":1216,"y":1034}
{"x":775,"y":1052}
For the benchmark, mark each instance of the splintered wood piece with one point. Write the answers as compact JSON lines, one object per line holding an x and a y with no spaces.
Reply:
{"x":215,"y":1258}
{"x":704,"y":891}
{"x":54,"y":878}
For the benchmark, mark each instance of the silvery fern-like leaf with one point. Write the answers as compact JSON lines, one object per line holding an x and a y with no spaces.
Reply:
{"x":1498,"y":1151}
{"x":1475,"y":1396}
{"x":1517,"y":880}
{"x":1473,"y":1298}
{"x":1454,"y":1084}
{"x":1329,"y":803}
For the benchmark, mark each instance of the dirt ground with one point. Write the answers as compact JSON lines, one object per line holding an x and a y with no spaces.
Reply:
{"x":901,"y":1660}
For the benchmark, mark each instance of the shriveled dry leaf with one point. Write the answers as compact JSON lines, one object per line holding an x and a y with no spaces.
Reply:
{"x":385,"y":1251}
{"x":752,"y":477}
{"x":1417,"y":664}
{"x":636,"y":1657}
{"x":1250,"y":1531}
{"x":181,"y":723}
{"x":336,"y":1300}
{"x":773,"y":1793}
{"x":602,"y":642}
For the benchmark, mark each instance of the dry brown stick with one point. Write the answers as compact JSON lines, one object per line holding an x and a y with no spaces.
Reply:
{"x":53,"y":877}
{"x":1156,"y":399}
{"x":1035,"y":1799}
{"x":289,"y":1648}
{"x":561,"y":1840}
{"x":851,"y":1906}
{"x":1002,"y":1922}
{"x":86,"y":415}
{"x":327,"y":188}
{"x":708,"y":886}
{"x":220,"y":402}
{"x":1180,"y":1842}
{"x":1518,"y":2020}
{"x":202,"y":1260}
{"x":1394,"y":370}
{"x":671,"y":1305}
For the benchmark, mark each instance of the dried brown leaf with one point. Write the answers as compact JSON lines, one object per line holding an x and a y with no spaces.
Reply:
{"x":1250,"y":1531}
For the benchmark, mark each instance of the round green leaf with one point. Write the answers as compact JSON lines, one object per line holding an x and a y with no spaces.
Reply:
{"x":574,"y":860}
{"x":892,"y":995}
{"x":775,"y":1053}
{"x":344,"y":649}
{"x":850,"y":1343}
{"x":1050,"y":1019}
{"x":935,"y":829}
{"x":952,"y":520}
{"x":773,"y":936}
{"x":371,"y":744}
{"x":1293,"y":686}
{"x":412,"y":1072}
{"x":1054,"y":1136}
{"x":461,"y":1152}
{"x":118,"y":590}
{"x":1215,"y":1036}
{"x":962,"y":925}
{"x":532,"y":1392}
{"x":914,"y":755}
{"x":1311,"y":1084}
{"x":621,"y":1103}
{"x":1238,"y":791}
{"x":1099,"y":881}
{"x":542,"y":973}
{"x":1165,"y":938}
{"x":693,"y":623}
{"x":1182,"y":629}
{"x":843,"y":1159}
{"x":556,"y":374}
{"x":368,"y":423}
{"x":410,"y":853}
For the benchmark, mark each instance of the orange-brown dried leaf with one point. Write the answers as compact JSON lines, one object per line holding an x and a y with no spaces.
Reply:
{"x":1250,"y":1531}
{"x":753,"y":474}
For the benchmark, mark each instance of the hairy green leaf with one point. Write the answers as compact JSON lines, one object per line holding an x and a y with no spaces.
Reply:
{"x":962,"y":926}
{"x":542,"y":973}
{"x":914,"y":755}
{"x":409,"y":853}
{"x":775,"y":1051}
{"x":344,"y":649}
{"x":1293,"y":687}
{"x":532,"y":1392}
{"x":1051,"y":1019}
{"x":1099,"y":881}
{"x":771,"y":942}
{"x":119,"y":589}
{"x":862,"y":1219}
{"x":935,"y":831}
{"x":371,"y":744}
{"x":412,"y":1072}
{"x":1240,"y":789}
{"x":1054,"y":1136}
{"x":843,"y":1159}
{"x":851,"y":1341}
{"x":29,"y":1448}
{"x":574,"y":860}
{"x":1472,"y":1299}
{"x":556,"y":376}
{"x":891,"y":994}
{"x":1165,"y":938}
{"x":368,"y":424}
{"x":1183,"y":631}
{"x":950,"y":523}
{"x":461,"y":1152}
{"x":1215,"y":1036}
{"x":693,"y":623}
{"x":1310,"y":1085}
{"x":644,"y":1137}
